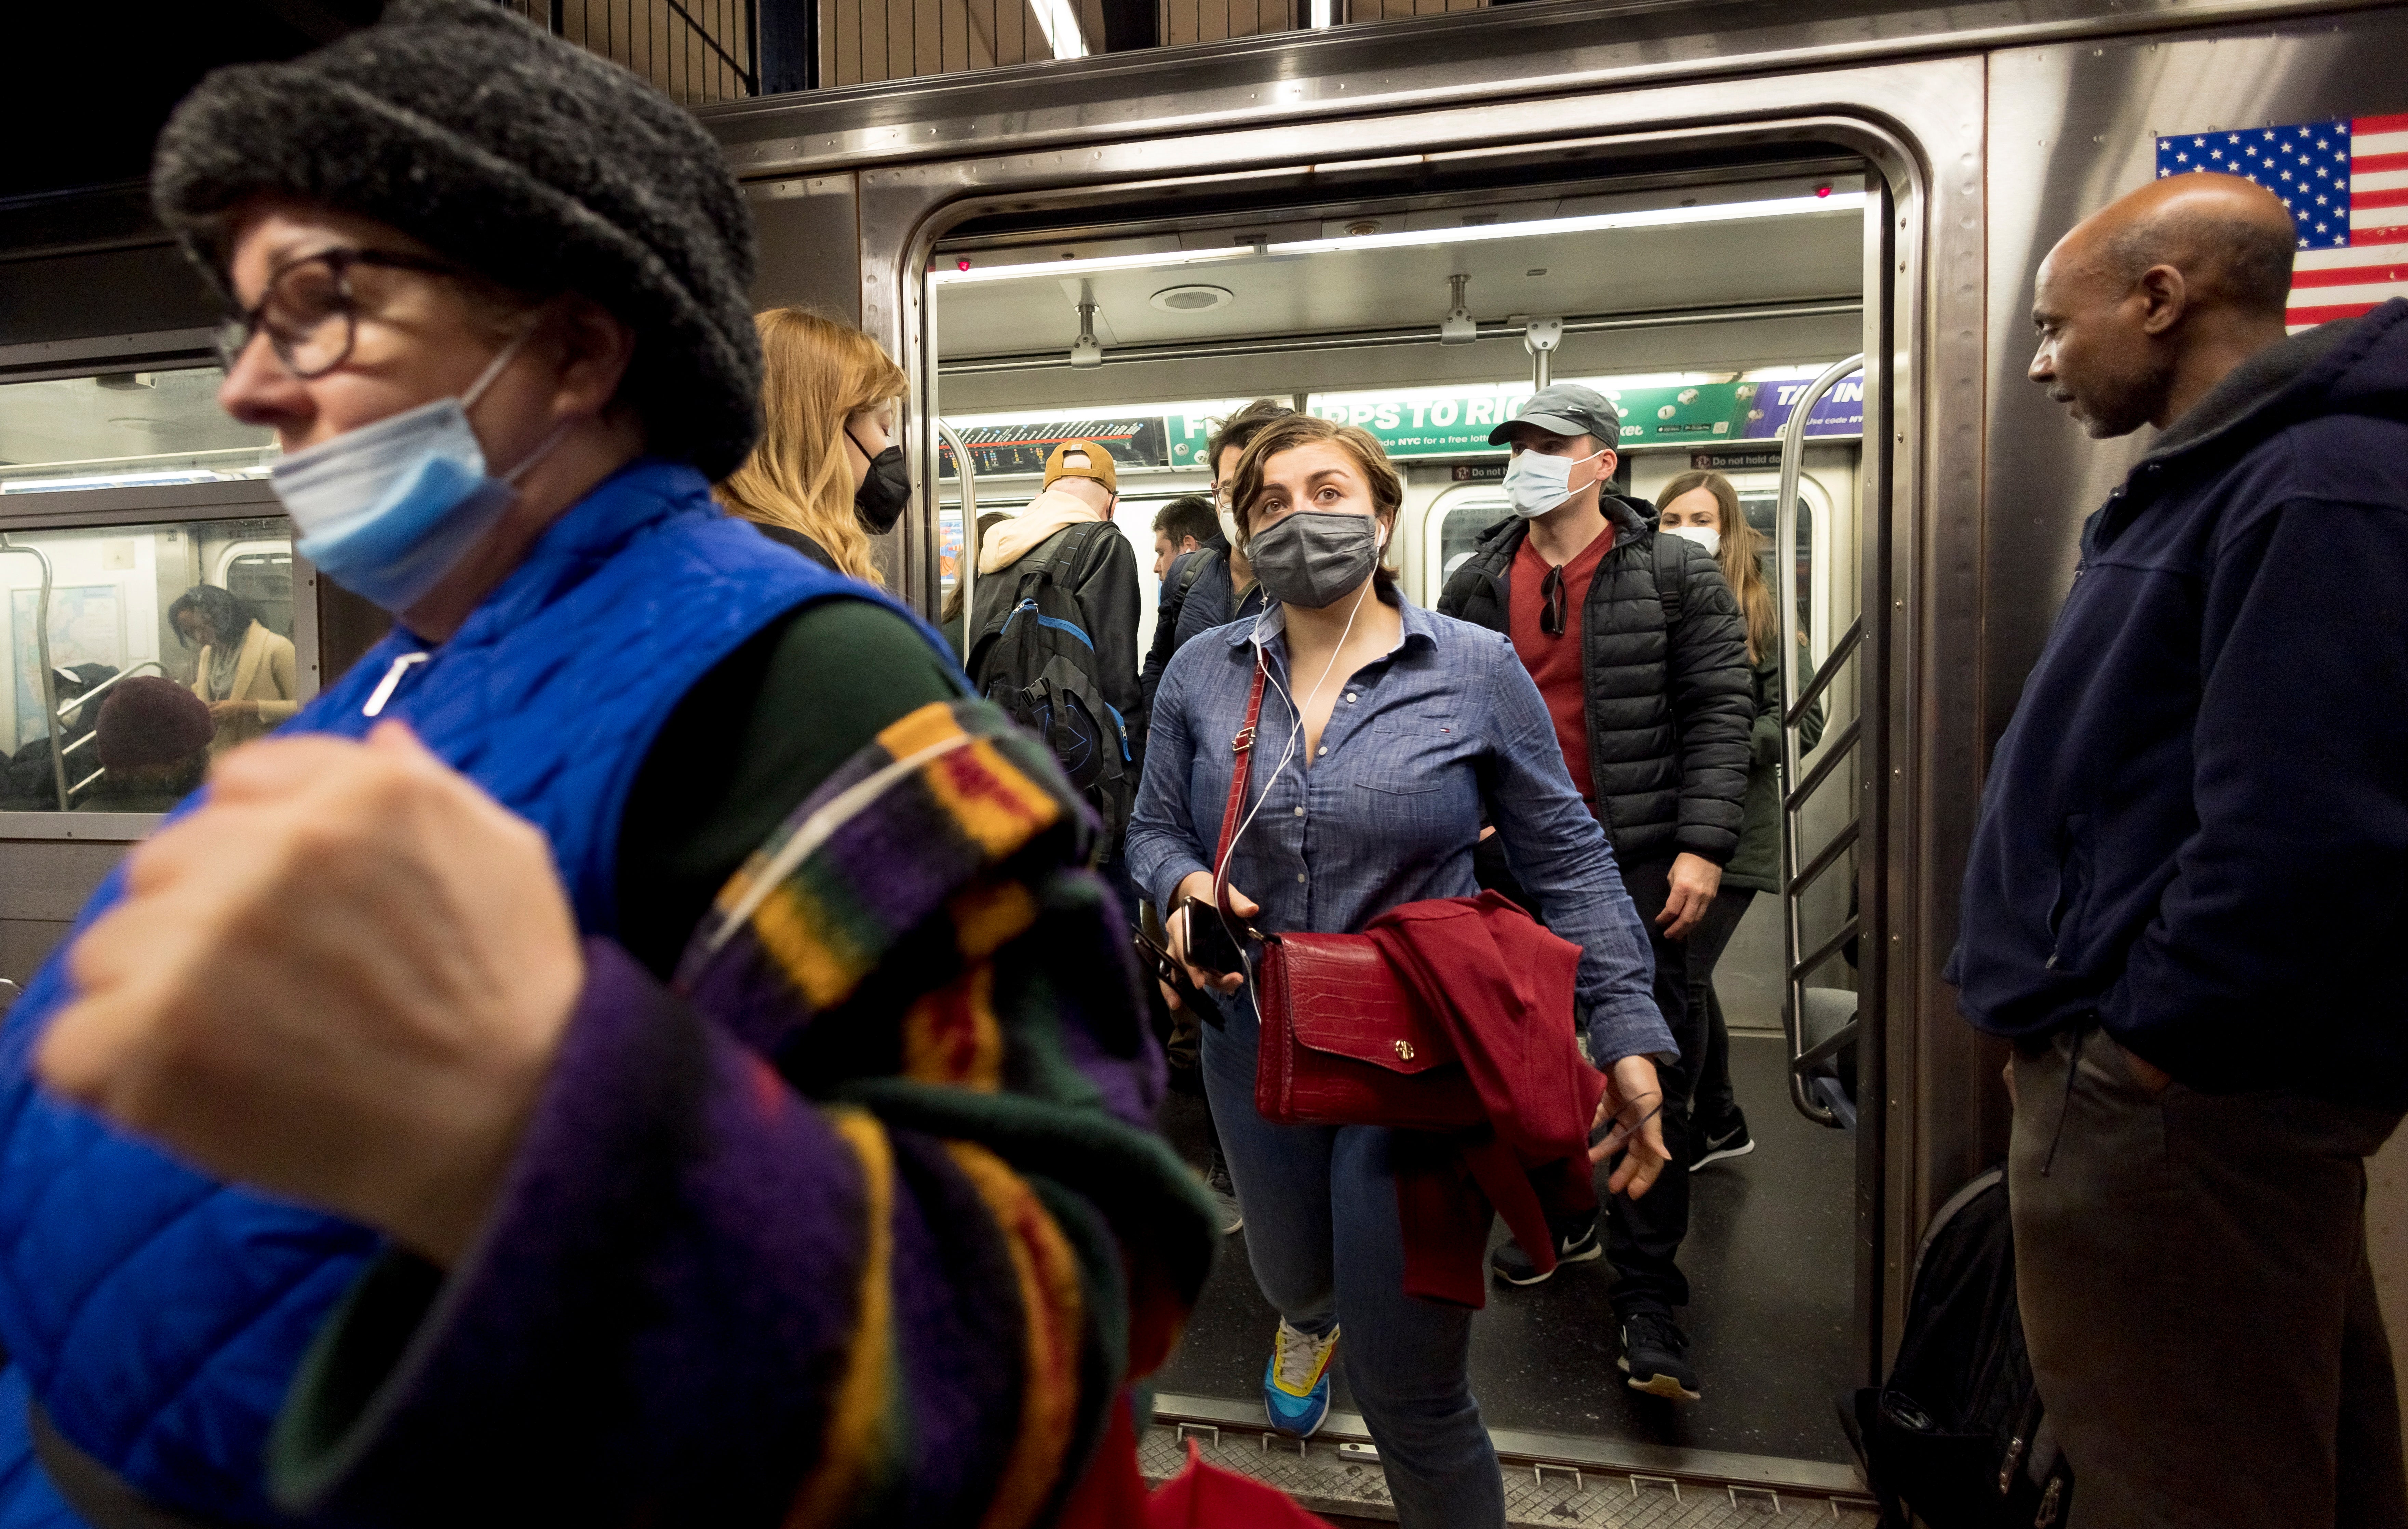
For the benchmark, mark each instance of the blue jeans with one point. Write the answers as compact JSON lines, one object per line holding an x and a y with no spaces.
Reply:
{"x":1323,"y":1239}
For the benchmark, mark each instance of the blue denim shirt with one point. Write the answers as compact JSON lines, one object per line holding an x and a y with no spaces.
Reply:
{"x":1389,"y":810}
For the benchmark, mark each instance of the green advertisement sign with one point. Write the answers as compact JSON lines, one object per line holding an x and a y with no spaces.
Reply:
{"x":1429,"y":422}
{"x":1443,"y":422}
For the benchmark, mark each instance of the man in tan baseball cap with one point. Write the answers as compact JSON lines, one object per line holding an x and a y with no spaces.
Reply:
{"x":1084,"y":459}
{"x":1066,"y":540}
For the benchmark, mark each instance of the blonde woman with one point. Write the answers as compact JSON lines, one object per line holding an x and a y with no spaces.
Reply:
{"x":1704,"y":507}
{"x":828,"y":474}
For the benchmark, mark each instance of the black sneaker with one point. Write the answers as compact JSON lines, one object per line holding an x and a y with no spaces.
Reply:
{"x":1732,"y":1142}
{"x":1224,"y":1191}
{"x":1656,"y":1356}
{"x":1514,"y":1268}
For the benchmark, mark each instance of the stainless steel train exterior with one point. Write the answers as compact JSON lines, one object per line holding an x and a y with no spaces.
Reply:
{"x":1985,"y":130}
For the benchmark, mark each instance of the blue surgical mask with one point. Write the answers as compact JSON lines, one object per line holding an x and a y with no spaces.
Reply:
{"x":387,"y":510}
{"x":1536,"y":483}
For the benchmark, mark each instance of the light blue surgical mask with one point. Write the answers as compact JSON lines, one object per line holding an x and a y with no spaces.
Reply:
{"x":387,"y":510}
{"x":1536,"y":482}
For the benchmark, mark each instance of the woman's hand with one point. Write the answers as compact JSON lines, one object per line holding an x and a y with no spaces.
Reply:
{"x":342,"y":980}
{"x":220,"y":710}
{"x":1634,"y":1102}
{"x":1198,"y":885}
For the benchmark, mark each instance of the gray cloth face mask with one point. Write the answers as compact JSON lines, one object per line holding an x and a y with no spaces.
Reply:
{"x":1315,"y":556}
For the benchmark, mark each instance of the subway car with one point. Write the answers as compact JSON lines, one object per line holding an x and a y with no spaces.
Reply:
{"x":1794,"y":244}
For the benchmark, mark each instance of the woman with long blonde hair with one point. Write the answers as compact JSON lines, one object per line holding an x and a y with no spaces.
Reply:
{"x":1705,"y":508}
{"x":827,"y":474}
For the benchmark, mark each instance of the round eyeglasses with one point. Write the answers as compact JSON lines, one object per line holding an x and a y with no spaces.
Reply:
{"x":310,"y":313}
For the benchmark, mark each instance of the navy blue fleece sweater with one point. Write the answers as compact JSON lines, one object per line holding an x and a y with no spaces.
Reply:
{"x":2195,"y":831}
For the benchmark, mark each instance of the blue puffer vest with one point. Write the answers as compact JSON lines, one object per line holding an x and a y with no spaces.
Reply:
{"x":159,"y":1315}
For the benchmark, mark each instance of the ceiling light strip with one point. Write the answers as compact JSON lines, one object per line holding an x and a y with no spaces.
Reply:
{"x":1667,"y":217}
{"x":1357,"y":339}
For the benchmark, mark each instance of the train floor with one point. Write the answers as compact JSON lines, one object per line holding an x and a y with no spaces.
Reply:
{"x":1769,"y":1271}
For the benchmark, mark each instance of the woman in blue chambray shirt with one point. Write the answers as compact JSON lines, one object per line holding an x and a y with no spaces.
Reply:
{"x":1384,"y":730}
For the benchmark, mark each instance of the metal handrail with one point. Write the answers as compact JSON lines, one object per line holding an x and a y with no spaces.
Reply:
{"x":1828,"y":855}
{"x":1822,"y":953}
{"x":1835,"y":751}
{"x":1795,"y":715}
{"x":1784,"y":513}
{"x":71,"y":708}
{"x":968,"y":570}
{"x":50,"y":681}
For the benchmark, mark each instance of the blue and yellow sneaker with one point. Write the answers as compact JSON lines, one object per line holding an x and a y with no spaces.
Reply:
{"x":1296,"y":1383}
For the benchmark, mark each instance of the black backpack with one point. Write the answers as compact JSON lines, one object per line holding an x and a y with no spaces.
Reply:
{"x":1040,"y":665}
{"x":1956,"y":1437}
{"x":1667,"y":580}
{"x":1198,"y":561}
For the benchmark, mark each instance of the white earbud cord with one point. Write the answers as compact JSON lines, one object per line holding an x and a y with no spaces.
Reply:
{"x":1221,"y":871}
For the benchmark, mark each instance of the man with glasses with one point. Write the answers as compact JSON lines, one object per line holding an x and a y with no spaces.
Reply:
{"x":1638,"y":648}
{"x":1214,"y":584}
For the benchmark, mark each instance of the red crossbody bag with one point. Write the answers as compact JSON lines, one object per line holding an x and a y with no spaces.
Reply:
{"x":1345,"y":1041}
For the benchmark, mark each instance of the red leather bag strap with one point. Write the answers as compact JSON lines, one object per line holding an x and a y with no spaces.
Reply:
{"x":1242,"y":769}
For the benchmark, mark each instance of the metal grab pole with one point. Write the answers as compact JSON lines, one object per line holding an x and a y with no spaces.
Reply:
{"x":71,"y":708}
{"x":1784,"y":543}
{"x":50,"y":681}
{"x":967,"y":569}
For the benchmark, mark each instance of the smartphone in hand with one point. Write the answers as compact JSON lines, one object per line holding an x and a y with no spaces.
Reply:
{"x":1162,"y":964}
{"x":1210,"y":945}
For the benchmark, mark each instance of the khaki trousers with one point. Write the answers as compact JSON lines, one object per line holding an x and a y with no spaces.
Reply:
{"x":2197,"y":1300}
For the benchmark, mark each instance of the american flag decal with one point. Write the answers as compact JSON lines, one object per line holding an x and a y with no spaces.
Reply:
{"x":2347,"y":185}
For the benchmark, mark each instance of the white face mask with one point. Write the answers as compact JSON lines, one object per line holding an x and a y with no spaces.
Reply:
{"x":1537,"y":483}
{"x":1229,"y":519}
{"x":1704,"y":536}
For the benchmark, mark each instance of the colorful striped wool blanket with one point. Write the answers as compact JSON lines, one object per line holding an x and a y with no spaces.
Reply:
{"x":922,"y":951}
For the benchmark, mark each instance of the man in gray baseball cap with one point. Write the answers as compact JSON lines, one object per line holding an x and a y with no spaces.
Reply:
{"x":1570,"y":410}
{"x":1637,"y":645}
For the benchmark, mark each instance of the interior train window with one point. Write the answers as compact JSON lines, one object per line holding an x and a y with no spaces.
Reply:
{"x":206,"y":605}
{"x":124,"y":429}
{"x":1456,"y":524}
{"x":1760,"y":506}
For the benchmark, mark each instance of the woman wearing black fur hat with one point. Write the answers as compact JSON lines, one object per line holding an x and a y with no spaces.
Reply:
{"x":596,"y":1260}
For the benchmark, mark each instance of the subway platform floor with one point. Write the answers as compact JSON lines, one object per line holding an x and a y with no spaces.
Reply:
{"x":1770,"y":1274}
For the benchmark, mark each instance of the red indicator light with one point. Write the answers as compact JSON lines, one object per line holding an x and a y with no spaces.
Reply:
{"x":1819,"y":191}
{"x":964,"y":263}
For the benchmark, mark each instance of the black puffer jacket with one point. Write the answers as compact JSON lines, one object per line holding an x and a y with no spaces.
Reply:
{"x":1668,"y":714}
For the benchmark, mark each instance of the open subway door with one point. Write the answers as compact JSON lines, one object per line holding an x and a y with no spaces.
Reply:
{"x":1704,"y":306}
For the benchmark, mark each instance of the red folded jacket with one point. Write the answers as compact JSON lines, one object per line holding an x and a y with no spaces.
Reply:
{"x":1501,"y":987}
